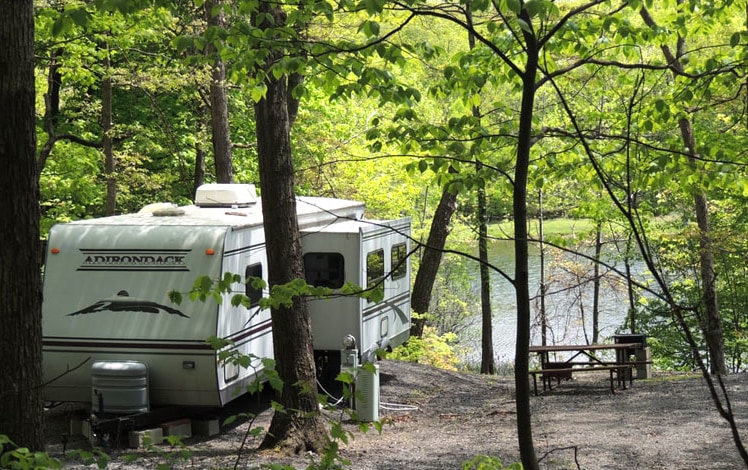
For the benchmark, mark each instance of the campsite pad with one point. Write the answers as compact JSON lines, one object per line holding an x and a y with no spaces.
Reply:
{"x":437,"y":419}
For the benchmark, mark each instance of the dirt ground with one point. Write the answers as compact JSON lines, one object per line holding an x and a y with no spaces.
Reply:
{"x":436,"y":419}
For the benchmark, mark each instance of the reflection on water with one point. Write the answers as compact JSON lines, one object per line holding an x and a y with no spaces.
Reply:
{"x":568,"y":303}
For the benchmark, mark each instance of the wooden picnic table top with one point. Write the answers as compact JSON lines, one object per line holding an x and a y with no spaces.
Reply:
{"x":582,"y":347}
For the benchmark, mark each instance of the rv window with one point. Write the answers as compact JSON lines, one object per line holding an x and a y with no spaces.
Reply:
{"x":398,"y":261}
{"x":254,"y":293}
{"x":374,"y":268}
{"x":324,"y":269}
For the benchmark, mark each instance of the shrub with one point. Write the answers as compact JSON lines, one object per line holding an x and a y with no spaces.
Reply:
{"x":432,"y":349}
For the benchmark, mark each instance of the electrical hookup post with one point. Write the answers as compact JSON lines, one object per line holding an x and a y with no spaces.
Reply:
{"x":365,"y":384}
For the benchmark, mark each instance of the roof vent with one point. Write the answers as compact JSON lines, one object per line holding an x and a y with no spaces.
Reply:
{"x":225,"y":195}
{"x":168,"y":212}
{"x":161,"y":209}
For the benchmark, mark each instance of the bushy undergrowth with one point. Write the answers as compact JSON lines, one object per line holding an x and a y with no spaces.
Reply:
{"x":485,"y":462}
{"x":431,"y":349}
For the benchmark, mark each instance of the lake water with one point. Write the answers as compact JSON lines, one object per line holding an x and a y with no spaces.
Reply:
{"x":568,"y":303}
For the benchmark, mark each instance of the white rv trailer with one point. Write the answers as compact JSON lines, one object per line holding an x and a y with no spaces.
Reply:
{"x":107,"y":281}
{"x":371,"y":254}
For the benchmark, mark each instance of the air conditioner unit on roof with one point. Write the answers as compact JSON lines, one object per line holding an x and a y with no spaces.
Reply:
{"x":225,"y":195}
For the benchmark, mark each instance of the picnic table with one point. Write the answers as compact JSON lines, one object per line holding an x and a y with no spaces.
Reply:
{"x":583,"y":358}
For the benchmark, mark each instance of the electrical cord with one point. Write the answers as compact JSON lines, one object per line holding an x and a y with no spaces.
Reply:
{"x":398,"y":407}
{"x":384,"y":406}
{"x":337,"y":402}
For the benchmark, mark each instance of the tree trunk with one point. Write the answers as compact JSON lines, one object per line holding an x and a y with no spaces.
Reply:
{"x":487,"y":363}
{"x":521,"y":271}
{"x":543,"y":286}
{"x":219,"y":109}
{"x":632,"y":317}
{"x":21,"y":402}
{"x":298,"y":427}
{"x":596,"y":285}
{"x":198,"y":177}
{"x":106,"y":125}
{"x":712,"y":323}
{"x":51,"y":106}
{"x":420,"y":296}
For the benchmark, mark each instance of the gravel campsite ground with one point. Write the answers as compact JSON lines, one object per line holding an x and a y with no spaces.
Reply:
{"x":437,"y":419}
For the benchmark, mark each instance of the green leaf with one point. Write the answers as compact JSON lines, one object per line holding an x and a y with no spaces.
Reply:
{"x":369,"y":28}
{"x":373,"y":6}
{"x":514,"y":5}
{"x":60,"y":25}
{"x":183,"y":43}
{"x":735,"y":39}
{"x":204,"y":283}
{"x":258,"y":92}
{"x":175,"y":297}
{"x":237,"y":300}
{"x":79,"y":16}
{"x":229,"y":420}
{"x":535,"y":7}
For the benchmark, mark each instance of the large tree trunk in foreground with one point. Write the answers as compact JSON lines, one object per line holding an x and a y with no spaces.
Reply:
{"x":521,"y":270}
{"x":297,"y":428}
{"x":21,"y":411}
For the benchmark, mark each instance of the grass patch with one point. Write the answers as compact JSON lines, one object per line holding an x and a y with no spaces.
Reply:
{"x":671,"y":377}
{"x":552,"y":227}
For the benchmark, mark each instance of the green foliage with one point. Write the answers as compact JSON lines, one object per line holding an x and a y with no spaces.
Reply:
{"x":21,"y":458}
{"x":170,"y":452}
{"x":205,"y":288}
{"x":154,"y":104}
{"x":670,"y":350}
{"x":431,"y":349}
{"x":485,"y":462}
{"x":263,"y":367}
{"x":677,"y":246}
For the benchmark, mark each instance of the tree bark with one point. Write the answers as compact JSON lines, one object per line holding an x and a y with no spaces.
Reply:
{"x":543,"y":286}
{"x":106,"y":125}
{"x":51,"y":106}
{"x":487,"y":363}
{"x":219,"y":108}
{"x":711,"y":324}
{"x":596,"y":285}
{"x":420,"y":296}
{"x":297,"y":428}
{"x":632,"y":317}
{"x":21,"y":402}
{"x":521,"y":252}
{"x":198,"y":176}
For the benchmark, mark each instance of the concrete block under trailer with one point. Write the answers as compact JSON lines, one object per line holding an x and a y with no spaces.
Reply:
{"x":106,"y":285}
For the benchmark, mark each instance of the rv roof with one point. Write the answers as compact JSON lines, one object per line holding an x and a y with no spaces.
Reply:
{"x":311,"y":210}
{"x":345,"y":226}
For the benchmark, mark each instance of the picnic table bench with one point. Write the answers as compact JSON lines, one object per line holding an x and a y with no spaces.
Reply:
{"x":620,"y":370}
